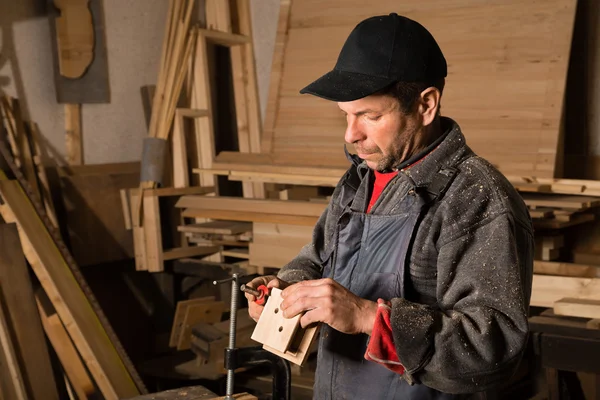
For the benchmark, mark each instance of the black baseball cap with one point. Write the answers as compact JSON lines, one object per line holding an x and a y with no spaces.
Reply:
{"x":380,"y":51}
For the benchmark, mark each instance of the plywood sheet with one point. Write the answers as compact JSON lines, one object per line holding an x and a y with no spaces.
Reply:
{"x":507,"y":71}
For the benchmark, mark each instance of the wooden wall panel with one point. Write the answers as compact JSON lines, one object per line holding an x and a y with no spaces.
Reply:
{"x":507,"y":64}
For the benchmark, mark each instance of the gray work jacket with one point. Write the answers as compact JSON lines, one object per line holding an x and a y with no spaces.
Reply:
{"x":461,"y":323}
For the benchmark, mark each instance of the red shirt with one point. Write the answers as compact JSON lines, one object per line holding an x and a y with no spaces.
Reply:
{"x":381,"y":181}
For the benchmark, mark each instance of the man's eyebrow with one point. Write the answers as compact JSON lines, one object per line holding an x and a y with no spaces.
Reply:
{"x":361,"y":112}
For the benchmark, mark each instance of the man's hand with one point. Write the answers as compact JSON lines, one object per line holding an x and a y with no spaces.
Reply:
{"x":270,"y":281}
{"x":325,"y":300}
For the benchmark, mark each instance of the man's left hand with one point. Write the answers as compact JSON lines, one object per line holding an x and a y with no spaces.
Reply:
{"x":324,"y":300}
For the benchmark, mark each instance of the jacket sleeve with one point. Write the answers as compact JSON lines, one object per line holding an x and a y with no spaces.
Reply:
{"x":474,"y":338}
{"x":307,"y":264}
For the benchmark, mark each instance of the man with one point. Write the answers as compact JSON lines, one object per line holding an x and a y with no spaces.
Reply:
{"x":420,"y":268}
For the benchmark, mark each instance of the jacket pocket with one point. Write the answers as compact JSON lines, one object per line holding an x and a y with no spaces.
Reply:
{"x":377,"y":285}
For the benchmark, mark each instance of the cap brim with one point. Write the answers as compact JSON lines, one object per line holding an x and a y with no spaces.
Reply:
{"x":346,"y":86}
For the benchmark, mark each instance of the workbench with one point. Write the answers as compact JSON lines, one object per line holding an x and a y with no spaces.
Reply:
{"x":189,"y":393}
{"x":565,"y":346}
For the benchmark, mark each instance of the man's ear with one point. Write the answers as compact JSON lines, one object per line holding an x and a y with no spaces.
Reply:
{"x":429,"y":104}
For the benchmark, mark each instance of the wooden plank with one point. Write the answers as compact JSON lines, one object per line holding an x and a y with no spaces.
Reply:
{"x":549,"y":289}
{"x":583,"y":308}
{"x":586,"y":258}
{"x":88,"y":332}
{"x":246,"y":60}
{"x":139,"y":241}
{"x":190,"y":251}
{"x":217,"y":227}
{"x":11,"y":378}
{"x":64,"y":348}
{"x":281,"y":39}
{"x":309,"y":180}
{"x":22,"y":316}
{"x":272,"y":328}
{"x":565,"y":269}
{"x":93,"y":86}
{"x":201,"y":99}
{"x":181,"y":177}
{"x":210,"y":312}
{"x":286,"y":207}
{"x":250,"y":217}
{"x":561,"y":201}
{"x":179,"y":316}
{"x":153,"y":234}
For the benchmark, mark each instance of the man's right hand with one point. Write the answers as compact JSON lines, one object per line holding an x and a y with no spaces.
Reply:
{"x":269,"y":281}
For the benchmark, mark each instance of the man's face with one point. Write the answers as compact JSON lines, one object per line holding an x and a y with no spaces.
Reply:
{"x":381,"y":133}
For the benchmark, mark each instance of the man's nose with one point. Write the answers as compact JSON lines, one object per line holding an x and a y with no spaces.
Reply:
{"x":353,"y":133}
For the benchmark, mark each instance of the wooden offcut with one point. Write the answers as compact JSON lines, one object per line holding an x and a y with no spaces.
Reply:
{"x":583,"y":308}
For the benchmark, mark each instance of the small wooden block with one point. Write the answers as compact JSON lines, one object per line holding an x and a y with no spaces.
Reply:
{"x":272,"y":328}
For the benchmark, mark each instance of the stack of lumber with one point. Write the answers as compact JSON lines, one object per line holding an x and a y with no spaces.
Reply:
{"x":231,"y":237}
{"x":58,"y":302}
{"x":552,"y":211}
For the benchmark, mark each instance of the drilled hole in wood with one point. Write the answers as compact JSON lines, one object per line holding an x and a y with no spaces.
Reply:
{"x":276,"y":310}
{"x":280,"y":328}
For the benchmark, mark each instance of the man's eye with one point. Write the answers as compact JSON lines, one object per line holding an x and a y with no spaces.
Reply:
{"x":373,"y":117}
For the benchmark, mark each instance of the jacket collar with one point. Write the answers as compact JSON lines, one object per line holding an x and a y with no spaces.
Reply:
{"x":447,"y":154}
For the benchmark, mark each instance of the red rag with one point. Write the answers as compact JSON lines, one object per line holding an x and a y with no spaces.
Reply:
{"x":381,"y":347}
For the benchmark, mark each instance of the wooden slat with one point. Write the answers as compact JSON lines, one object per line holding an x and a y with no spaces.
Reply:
{"x":23,"y":318}
{"x":72,"y":305}
{"x":217,"y":227}
{"x":250,"y":217}
{"x":554,"y":224}
{"x":66,"y":352}
{"x":289,"y":207}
